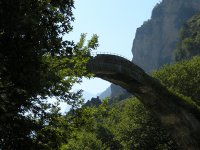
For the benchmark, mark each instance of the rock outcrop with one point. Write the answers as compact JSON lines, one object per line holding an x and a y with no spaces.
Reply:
{"x":94,"y":102}
{"x":155,"y":41}
{"x":118,"y":93}
{"x":105,"y":93}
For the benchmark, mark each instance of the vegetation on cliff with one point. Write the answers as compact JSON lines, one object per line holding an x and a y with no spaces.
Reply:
{"x":189,"y":39}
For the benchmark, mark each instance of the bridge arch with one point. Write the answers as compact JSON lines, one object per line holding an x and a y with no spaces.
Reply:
{"x":181,"y":119}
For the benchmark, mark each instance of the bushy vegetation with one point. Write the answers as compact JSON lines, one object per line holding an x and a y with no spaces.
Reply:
{"x":182,"y":77}
{"x":124,"y":125}
{"x":189,"y":44}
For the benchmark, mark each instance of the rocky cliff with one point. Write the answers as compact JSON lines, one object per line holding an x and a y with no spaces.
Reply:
{"x":156,"y":39}
{"x":118,"y":93}
{"x":105,"y":93}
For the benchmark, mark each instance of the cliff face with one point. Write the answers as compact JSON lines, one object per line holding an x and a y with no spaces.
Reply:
{"x":116,"y":90}
{"x":156,"y":39}
{"x":105,"y":93}
{"x":118,"y":93}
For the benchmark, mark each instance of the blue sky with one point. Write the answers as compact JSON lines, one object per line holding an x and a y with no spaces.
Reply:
{"x":115,"y":22}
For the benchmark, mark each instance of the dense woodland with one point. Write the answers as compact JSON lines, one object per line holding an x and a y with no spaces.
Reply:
{"x":37,"y":63}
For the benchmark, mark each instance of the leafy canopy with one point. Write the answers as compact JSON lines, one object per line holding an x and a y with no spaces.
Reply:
{"x":182,"y":77}
{"x":123,"y":125}
{"x":36,"y":62}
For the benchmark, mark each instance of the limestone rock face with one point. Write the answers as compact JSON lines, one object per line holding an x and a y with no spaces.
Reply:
{"x":116,"y":90}
{"x":105,"y":93}
{"x":118,"y":93}
{"x":156,"y":39}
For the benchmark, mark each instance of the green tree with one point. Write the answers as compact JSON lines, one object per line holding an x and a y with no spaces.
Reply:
{"x":83,"y":140}
{"x":123,"y":125}
{"x":135,"y":128}
{"x":189,"y":44}
{"x":36,"y":63}
{"x":182,"y":77}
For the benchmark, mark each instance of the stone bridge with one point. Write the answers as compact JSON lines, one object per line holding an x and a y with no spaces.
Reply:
{"x":180,"y":118}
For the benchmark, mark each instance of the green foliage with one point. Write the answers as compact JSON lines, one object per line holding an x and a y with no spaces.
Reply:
{"x":182,"y":77}
{"x":54,"y":132}
{"x":189,"y":44}
{"x":135,"y":128}
{"x":83,"y":140}
{"x":36,"y":63}
{"x":124,"y":125}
